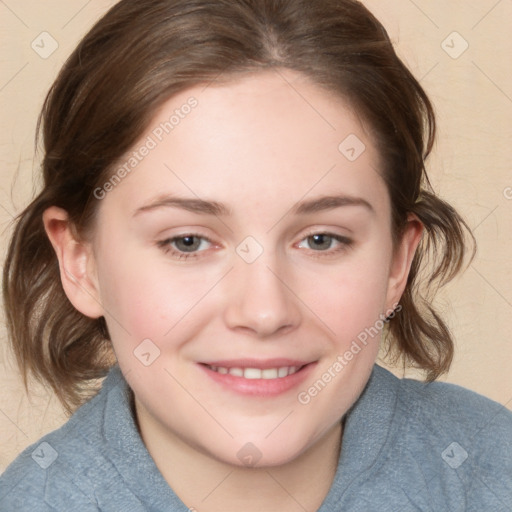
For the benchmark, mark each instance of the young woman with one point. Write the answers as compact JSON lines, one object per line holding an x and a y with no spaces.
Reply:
{"x":234,"y":217}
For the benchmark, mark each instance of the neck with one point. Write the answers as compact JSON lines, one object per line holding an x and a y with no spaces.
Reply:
{"x":206,"y":484}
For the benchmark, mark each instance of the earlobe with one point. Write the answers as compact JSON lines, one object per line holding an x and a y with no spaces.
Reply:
{"x":76,"y":263}
{"x":402,"y":259}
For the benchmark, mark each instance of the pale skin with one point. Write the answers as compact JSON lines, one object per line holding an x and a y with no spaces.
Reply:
{"x":328,"y":270}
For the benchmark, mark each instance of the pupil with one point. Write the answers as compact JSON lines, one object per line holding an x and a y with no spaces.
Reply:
{"x":320,"y":241}
{"x":188,"y":243}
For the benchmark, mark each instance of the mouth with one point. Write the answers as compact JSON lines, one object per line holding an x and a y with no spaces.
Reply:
{"x":258,"y":378}
{"x":257,"y":373}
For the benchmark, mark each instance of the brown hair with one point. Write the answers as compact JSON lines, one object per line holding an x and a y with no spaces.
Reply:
{"x":140,"y":54}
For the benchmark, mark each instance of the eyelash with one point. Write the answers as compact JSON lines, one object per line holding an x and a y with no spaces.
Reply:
{"x":343,"y":241}
{"x":166,"y":245}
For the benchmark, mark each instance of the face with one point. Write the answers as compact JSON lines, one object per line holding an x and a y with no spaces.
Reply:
{"x":245,"y":264}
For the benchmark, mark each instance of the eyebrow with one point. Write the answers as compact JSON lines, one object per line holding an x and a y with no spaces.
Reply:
{"x":329,"y":203}
{"x":200,"y":206}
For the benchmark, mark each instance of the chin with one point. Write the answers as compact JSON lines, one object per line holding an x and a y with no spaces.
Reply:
{"x":260,"y":452}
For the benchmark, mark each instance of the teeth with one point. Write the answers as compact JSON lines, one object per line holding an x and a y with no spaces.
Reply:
{"x":257,"y":373}
{"x":282,"y":372}
{"x":252,"y":373}
{"x":269,"y":373}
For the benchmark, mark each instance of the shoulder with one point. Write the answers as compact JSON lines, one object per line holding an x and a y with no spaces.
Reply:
{"x":440,"y":406}
{"x":459,"y":441}
{"x":57,"y":465}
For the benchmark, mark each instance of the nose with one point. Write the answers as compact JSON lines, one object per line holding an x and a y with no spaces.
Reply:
{"x":261,"y":302}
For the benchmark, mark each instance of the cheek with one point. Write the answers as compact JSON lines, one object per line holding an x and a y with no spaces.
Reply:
{"x":351,"y":297}
{"x":133,"y":300}
{"x":144,"y":297}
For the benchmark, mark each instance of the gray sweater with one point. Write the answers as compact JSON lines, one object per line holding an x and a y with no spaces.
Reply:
{"x":407,"y":446}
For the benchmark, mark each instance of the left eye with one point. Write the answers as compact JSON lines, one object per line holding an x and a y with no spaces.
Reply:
{"x":322,"y":242}
{"x":188,"y":243}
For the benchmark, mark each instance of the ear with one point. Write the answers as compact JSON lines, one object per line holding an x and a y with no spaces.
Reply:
{"x":402,"y":260}
{"x":76,"y":263}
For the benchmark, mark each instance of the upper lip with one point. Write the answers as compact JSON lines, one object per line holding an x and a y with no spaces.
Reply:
{"x":256,"y":363}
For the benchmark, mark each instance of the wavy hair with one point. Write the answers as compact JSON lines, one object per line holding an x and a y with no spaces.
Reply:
{"x":140,"y":54}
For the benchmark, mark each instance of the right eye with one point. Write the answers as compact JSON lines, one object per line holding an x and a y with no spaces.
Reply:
{"x":185,"y":246}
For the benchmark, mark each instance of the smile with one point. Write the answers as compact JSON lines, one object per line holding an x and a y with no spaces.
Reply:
{"x":257,"y":373}
{"x":258,"y":378}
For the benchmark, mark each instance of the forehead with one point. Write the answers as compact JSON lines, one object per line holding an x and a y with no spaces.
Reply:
{"x":271,"y":136}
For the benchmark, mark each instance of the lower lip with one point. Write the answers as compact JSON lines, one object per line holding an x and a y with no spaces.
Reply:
{"x":260,"y":387}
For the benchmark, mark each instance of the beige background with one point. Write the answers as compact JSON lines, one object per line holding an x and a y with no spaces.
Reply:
{"x":471,"y":166}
